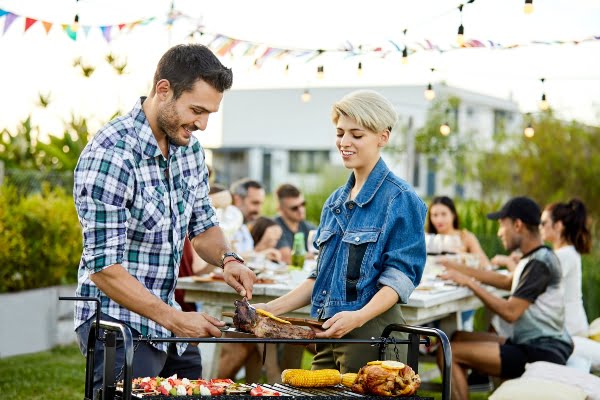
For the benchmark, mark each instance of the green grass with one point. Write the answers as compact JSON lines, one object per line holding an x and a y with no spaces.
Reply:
{"x":58,"y":374}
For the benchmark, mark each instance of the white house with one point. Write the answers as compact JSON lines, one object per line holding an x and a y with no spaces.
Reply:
{"x":272,"y":135}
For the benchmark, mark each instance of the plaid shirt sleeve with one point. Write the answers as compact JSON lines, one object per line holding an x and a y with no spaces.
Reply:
{"x":203,"y":214}
{"x":103,"y":183}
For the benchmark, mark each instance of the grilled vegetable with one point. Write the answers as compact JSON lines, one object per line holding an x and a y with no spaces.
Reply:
{"x":348,"y":379}
{"x":317,"y":378}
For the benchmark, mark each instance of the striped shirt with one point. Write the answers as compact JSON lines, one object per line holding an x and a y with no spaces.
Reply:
{"x":135,"y":207}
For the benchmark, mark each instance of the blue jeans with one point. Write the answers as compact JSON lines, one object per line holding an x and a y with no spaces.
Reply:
{"x":147,"y":360}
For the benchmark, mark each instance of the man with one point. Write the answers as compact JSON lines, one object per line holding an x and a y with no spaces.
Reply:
{"x":535,"y":305}
{"x":141,"y":184}
{"x":292,"y":212}
{"x":249,"y":197}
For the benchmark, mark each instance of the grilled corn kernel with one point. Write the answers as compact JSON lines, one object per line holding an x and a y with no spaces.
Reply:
{"x":348,"y":379}
{"x":317,"y":378}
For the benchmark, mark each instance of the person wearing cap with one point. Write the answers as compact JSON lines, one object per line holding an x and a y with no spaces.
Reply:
{"x":535,"y":306}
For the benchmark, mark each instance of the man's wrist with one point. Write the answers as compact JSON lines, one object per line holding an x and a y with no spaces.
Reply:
{"x":229,"y":256}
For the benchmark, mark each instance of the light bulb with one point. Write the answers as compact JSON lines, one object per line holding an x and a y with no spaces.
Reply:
{"x":305,"y":96}
{"x":529,"y":131}
{"x":405,"y":56}
{"x":287,"y":69}
{"x":429,"y":93}
{"x":528,"y":8}
{"x":544,"y":105}
{"x":460,"y":38}
{"x":445,"y":129}
{"x":75,"y":26}
{"x":359,"y":71}
{"x":320,"y":72}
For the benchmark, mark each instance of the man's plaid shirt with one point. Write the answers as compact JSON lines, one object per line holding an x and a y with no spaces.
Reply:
{"x":135,"y":207}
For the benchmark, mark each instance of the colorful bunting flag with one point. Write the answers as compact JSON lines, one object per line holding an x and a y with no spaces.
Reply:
{"x":29,"y":22}
{"x":8,"y":20}
{"x":47,"y":26}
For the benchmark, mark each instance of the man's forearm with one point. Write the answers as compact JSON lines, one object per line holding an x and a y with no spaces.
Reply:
{"x":491,"y":278}
{"x":496,"y":304}
{"x":124,"y":289}
{"x":210,"y":245}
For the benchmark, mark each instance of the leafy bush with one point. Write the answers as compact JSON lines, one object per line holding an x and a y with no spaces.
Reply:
{"x":40,"y":239}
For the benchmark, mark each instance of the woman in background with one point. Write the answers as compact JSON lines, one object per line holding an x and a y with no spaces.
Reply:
{"x":443,"y":220}
{"x":266,"y":232}
{"x":564,"y":225}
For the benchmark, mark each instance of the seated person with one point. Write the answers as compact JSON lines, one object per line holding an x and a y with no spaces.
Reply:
{"x":535,"y":306}
{"x":266,"y":233}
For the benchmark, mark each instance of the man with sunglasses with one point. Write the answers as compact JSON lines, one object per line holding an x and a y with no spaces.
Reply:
{"x":292,"y":212}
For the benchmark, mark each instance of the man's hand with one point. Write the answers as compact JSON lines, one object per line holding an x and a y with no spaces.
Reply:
{"x":458,"y":277}
{"x":340,"y":324}
{"x":195,"y":324}
{"x":239,"y":277}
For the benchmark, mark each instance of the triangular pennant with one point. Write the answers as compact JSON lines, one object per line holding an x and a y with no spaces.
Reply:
{"x":3,"y":12}
{"x":106,"y":32}
{"x":10,"y":18}
{"x":47,"y":26}
{"x":86,"y":30}
{"x":29,"y":22}
{"x":121,"y":26}
{"x":70,"y":32}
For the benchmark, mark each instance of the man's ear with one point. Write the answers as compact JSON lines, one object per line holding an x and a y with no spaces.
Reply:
{"x":163,"y":89}
{"x":519,"y":225}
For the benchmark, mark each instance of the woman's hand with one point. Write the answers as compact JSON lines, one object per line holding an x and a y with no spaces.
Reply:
{"x":505,"y":261}
{"x":272,"y":254}
{"x":448,"y":262}
{"x":340,"y":324}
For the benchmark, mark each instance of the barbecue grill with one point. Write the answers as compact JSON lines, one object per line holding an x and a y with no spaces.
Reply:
{"x":110,"y":338}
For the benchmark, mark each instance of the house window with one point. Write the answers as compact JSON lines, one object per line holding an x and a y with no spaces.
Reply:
{"x":307,"y":161}
{"x":501,"y":117}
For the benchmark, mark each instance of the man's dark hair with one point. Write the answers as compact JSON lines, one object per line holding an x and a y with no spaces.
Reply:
{"x":241,"y":187}
{"x":287,"y":191}
{"x":184,"y":64}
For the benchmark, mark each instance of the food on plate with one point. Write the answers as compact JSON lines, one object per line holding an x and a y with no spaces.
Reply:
{"x":316,"y":378}
{"x":348,"y":379}
{"x":261,"y":391}
{"x":247,"y":319}
{"x":389,"y":378}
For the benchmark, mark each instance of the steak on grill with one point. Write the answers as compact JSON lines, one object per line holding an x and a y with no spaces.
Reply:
{"x":246,"y":319}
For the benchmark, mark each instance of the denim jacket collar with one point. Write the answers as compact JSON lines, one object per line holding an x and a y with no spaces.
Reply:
{"x":367,"y":192}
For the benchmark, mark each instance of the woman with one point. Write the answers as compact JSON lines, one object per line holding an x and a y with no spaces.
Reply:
{"x":266,"y":232}
{"x":564,"y":225}
{"x":443,"y":220}
{"x":370,"y":239}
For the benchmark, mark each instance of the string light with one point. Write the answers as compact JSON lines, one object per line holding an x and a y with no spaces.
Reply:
{"x":445,"y":127}
{"x":544,"y":105}
{"x":75,"y":25}
{"x":359,"y":70}
{"x":529,"y":131}
{"x":405,"y":50}
{"x":320,"y":72}
{"x":429,"y":93}
{"x":528,"y":7}
{"x":305,"y":96}
{"x":460,"y":38}
{"x":286,"y":71}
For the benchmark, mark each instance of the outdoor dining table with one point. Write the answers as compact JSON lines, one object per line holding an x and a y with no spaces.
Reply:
{"x":443,"y":303}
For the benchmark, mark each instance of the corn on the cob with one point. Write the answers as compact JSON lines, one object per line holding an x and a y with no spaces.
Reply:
{"x":305,"y":378}
{"x":348,"y":379}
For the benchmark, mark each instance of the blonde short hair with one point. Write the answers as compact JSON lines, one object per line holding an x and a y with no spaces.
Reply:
{"x":368,"y":108}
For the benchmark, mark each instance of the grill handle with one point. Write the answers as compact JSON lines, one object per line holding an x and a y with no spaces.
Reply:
{"x":413,"y":350}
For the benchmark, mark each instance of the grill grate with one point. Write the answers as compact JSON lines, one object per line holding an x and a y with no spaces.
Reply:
{"x":324,"y":393}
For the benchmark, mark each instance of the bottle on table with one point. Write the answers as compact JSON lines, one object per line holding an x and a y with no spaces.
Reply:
{"x":298,"y":251}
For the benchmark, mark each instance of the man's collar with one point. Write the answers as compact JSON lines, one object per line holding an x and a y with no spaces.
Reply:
{"x":142,"y":127}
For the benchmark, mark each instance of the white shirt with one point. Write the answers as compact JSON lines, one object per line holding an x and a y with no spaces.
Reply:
{"x":576,"y":319}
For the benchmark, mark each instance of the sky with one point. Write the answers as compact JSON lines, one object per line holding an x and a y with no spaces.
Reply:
{"x":34,"y":62}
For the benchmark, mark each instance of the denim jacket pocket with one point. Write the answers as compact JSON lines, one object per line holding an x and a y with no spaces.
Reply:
{"x":358,"y":243}
{"x":154,"y":206}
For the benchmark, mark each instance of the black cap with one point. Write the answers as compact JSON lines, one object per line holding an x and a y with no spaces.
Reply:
{"x":522,"y":208}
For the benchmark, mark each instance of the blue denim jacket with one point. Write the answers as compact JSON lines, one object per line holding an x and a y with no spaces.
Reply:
{"x":375,"y":240}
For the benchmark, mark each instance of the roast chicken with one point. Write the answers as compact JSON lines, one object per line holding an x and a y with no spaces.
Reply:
{"x":386,"y":379}
{"x":247,"y":319}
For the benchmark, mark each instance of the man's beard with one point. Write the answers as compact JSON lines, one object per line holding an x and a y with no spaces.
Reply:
{"x":169,"y":124}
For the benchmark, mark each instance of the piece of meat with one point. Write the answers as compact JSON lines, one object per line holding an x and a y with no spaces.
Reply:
{"x":246,"y":319}
{"x":380,"y":381}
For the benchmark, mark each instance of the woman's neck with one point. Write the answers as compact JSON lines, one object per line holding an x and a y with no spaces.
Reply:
{"x":560,"y":243}
{"x":360,"y":178}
